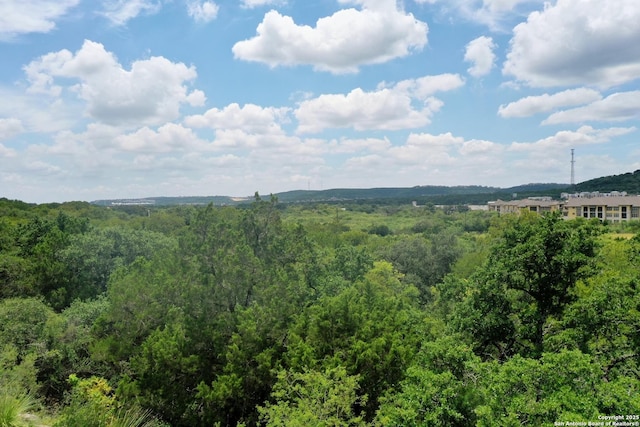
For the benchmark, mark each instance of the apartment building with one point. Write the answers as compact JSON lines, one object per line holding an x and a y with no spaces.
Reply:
{"x":533,"y":204}
{"x":610,"y":208}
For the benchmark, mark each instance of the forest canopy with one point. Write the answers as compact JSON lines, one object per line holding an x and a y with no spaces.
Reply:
{"x":313,"y":314}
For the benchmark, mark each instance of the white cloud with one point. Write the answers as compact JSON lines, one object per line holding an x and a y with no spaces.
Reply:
{"x":150,"y":93}
{"x":531,"y":105}
{"x":6,"y":152}
{"x":496,"y":14}
{"x":37,"y":113}
{"x":348,"y":145}
{"x":587,"y":42}
{"x":502,"y":5}
{"x":205,"y":11}
{"x":251,"y":4}
{"x":340,"y":43}
{"x":10,"y":128}
{"x":480,"y":53}
{"x":427,"y":158}
{"x":383,"y":109}
{"x":424,"y":87}
{"x":565,"y":140}
{"x":33,"y":16}
{"x":250,"y":118}
{"x":476,"y":147}
{"x":168,"y":138}
{"x":387,"y":108}
{"x":614,"y":108}
{"x":119,"y":12}
{"x":425,"y":150}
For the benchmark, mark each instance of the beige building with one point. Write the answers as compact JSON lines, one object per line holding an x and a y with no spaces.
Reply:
{"x":533,"y":204}
{"x":610,"y":208}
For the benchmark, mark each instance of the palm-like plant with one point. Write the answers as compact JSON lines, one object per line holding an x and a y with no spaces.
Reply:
{"x":133,"y":417}
{"x":11,"y":407}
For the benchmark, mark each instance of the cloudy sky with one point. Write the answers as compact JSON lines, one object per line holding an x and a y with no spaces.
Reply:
{"x":134,"y":98}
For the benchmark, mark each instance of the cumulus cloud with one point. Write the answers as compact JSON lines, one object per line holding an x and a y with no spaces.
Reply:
{"x":34,"y":16}
{"x":37,"y":113}
{"x":564,"y":140}
{"x":167,"y":138}
{"x":531,"y":105}
{"x":350,"y":145}
{"x":614,"y":108}
{"x":387,"y":108}
{"x":205,"y":11}
{"x":427,"y":158}
{"x":577,"y":43}
{"x":119,"y":12}
{"x":151,"y":92}
{"x":339,"y":43}
{"x":424,"y":87}
{"x":480,"y":53}
{"x":10,"y":128}
{"x":250,"y":118}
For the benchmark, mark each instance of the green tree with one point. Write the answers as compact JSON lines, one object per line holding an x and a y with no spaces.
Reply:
{"x":312,"y":398}
{"x":372,"y":328}
{"x":529,"y":276}
{"x":556,"y":387}
{"x":440,"y":388}
{"x":424,"y":263}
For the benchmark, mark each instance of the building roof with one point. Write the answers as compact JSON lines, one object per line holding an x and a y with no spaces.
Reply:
{"x":603,"y":201}
{"x":524,"y":203}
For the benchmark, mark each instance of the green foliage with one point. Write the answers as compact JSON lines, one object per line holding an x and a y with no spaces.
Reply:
{"x":557,"y":387}
{"x":22,"y":323}
{"x":12,"y":407}
{"x":68,"y":351}
{"x":274,"y":315}
{"x":424,"y":263}
{"x":441,"y":388}
{"x":93,"y":404}
{"x":312,"y":398}
{"x":92,"y":257}
{"x":372,"y":328}
{"x":166,"y":372}
{"x":380,"y":230}
{"x":529,"y":276}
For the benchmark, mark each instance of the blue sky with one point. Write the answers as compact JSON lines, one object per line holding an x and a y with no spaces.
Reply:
{"x":121,"y":99}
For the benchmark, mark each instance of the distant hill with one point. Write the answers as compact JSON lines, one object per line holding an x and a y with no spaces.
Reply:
{"x":472,"y":194}
{"x":629,"y":182}
{"x":423,"y":194}
{"x":170,"y":201}
{"x":380,"y":193}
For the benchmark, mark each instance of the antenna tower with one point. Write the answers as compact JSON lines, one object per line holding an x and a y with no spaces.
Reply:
{"x":573,"y":169}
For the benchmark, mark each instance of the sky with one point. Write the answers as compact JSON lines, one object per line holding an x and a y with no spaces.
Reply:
{"x":140,"y":98}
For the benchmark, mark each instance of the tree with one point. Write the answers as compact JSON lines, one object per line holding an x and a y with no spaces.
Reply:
{"x":424,"y":263}
{"x":556,"y":387}
{"x":440,"y":388}
{"x":372,"y":328}
{"x":532,"y":272}
{"x":313,"y":398}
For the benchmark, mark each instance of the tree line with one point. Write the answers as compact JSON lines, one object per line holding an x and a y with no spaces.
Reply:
{"x":289,"y":316}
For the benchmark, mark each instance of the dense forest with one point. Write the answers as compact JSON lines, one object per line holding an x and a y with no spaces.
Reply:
{"x":315,"y":315}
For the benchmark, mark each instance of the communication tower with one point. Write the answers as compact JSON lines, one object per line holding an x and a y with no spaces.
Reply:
{"x":573,"y":169}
